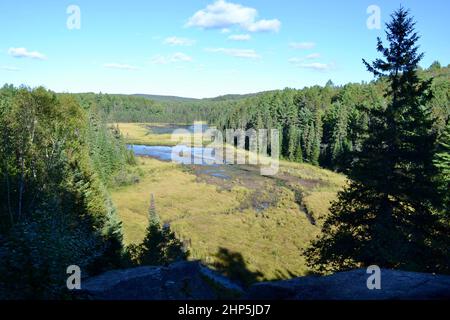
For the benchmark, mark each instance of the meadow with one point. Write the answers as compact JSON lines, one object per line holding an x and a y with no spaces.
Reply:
{"x":261,"y":223}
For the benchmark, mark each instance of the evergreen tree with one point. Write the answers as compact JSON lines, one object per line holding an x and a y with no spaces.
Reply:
{"x":435,"y":66}
{"x":386,"y":215}
{"x":54,"y":210}
{"x":317,"y":139}
{"x":339,"y":146}
{"x":160,"y":245}
{"x":298,"y":157}
{"x":442,"y":163}
{"x":293,"y":138}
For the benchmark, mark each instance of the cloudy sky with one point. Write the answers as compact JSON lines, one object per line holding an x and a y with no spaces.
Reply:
{"x":200,"y":48}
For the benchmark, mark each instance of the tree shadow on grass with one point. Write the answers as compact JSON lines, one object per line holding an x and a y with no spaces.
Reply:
{"x":284,"y":275}
{"x":233,"y":265}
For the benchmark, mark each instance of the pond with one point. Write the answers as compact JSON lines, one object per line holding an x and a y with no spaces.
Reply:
{"x":199,"y":156}
{"x":180,"y":154}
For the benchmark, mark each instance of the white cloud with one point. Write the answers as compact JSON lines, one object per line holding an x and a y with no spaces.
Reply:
{"x":240,"y":53}
{"x":173,"y":58}
{"x":223,"y":15}
{"x":120,"y":66}
{"x":313,"y":56}
{"x":24,"y":53}
{"x":315,"y":66}
{"x":265,"y":26}
{"x":225,"y":30}
{"x":176,"y":41}
{"x":240,"y":37}
{"x":302,"y":45}
{"x":302,"y":63}
{"x":181,"y":57}
{"x":7,"y":68}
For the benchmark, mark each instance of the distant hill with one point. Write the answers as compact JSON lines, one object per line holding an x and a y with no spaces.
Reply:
{"x":161,"y":98}
{"x":227,"y":97}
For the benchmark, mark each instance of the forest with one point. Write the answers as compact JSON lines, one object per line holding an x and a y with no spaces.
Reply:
{"x":319,"y":125}
{"x":59,"y":157}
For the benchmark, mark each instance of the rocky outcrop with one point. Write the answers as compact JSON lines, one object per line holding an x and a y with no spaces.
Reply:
{"x":191,"y":280}
{"x":352,"y":285}
{"x":179,"y":281}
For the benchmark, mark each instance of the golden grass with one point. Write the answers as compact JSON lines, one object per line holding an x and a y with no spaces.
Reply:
{"x":212,"y":217}
{"x":214,"y":213}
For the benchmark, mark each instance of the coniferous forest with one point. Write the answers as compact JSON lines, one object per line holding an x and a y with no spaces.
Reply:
{"x":318,"y":125}
{"x":60,"y":157}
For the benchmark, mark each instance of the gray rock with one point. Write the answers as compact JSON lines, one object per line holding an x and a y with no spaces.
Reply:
{"x":179,"y":281}
{"x":352,"y":285}
{"x":193,"y":281}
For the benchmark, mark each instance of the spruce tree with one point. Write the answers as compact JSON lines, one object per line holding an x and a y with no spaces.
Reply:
{"x":317,"y":138}
{"x":386,"y":216}
{"x":298,"y":151}
{"x":160,"y":246}
{"x":442,"y":163}
{"x":150,"y":251}
{"x":293,"y":140}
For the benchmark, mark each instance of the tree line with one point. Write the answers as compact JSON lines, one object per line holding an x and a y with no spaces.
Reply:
{"x":58,"y":158}
{"x":325,"y":125}
{"x":318,"y":125}
{"x":135,"y":108}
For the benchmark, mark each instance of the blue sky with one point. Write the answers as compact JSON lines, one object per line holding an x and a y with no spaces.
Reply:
{"x":201,"y":48}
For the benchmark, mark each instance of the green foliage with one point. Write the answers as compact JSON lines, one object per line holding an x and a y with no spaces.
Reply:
{"x":442,"y":163}
{"x":160,"y":245}
{"x":330,"y":121}
{"x":318,"y":125}
{"x":108,"y":152}
{"x":435,"y":66}
{"x":141,"y":108}
{"x":387,"y":215}
{"x":289,"y":111}
{"x":54,"y":210}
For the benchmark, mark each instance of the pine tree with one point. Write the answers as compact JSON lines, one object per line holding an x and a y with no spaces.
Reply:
{"x":160,"y":246}
{"x":308,"y":141}
{"x":150,"y":252}
{"x":386,"y":215}
{"x":293,"y":136}
{"x":442,"y":163}
{"x":298,"y":151}
{"x":317,"y":139}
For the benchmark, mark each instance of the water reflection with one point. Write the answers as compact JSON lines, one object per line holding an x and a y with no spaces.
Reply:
{"x":179,"y":154}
